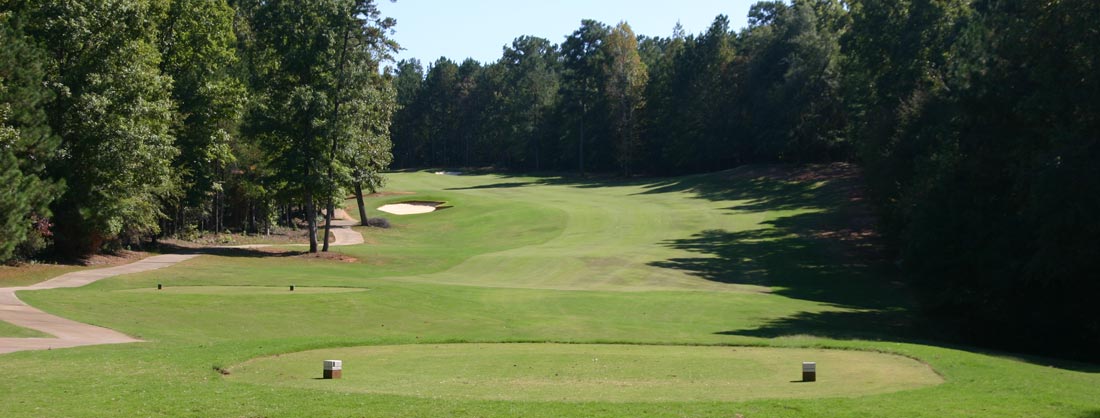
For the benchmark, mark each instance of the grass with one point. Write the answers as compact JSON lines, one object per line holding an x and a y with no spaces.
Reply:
{"x":243,"y":290}
{"x":592,"y":372}
{"x":741,"y":258}
{"x":26,"y":275}
{"x":10,"y":330}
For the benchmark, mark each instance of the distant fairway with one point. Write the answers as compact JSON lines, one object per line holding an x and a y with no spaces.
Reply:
{"x":244,"y":290}
{"x":707,"y":290}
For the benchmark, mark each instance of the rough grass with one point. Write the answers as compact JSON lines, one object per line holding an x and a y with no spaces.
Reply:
{"x":746,"y":258}
{"x":29,"y":274}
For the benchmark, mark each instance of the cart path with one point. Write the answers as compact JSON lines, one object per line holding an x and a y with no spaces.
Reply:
{"x":341,"y":229}
{"x":70,"y":333}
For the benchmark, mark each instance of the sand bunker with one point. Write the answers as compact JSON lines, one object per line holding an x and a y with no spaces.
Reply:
{"x":592,"y":373}
{"x":410,"y":208}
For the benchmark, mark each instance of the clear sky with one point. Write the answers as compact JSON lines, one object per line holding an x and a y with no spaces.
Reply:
{"x":479,"y":29}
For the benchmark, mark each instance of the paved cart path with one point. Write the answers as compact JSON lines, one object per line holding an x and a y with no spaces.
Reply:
{"x":70,"y":333}
{"x":341,"y":229}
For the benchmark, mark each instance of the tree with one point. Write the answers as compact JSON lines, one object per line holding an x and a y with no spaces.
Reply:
{"x":442,"y":108}
{"x":898,"y":55}
{"x":792,"y":91}
{"x":323,"y":51}
{"x":582,"y":62}
{"x":363,"y":46}
{"x":533,"y":67}
{"x":26,"y":143}
{"x":197,"y":43}
{"x":468,"y":118}
{"x":408,"y":130}
{"x":998,"y":231}
{"x":625,"y":86}
{"x":369,"y":152}
{"x":291,"y":117}
{"x":112,"y":109}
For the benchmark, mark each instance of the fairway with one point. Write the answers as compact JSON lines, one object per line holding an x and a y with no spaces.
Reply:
{"x":592,"y":372}
{"x":538,"y":296}
{"x":245,"y":290}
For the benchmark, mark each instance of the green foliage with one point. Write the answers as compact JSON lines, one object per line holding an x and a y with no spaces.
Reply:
{"x":556,"y":260}
{"x":975,"y":120}
{"x":532,"y":64}
{"x":112,"y":110}
{"x":624,"y":86}
{"x":313,"y":92}
{"x":26,"y":143}
{"x":979,"y":133}
{"x":197,"y":41}
{"x":368,"y":151}
{"x":608,"y":100}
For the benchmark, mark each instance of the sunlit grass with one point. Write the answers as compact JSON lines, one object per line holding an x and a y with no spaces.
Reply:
{"x":726,"y":259}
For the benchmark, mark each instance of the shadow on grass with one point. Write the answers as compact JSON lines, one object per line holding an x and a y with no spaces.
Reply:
{"x":800,"y":258}
{"x":170,"y":248}
{"x":827,"y":252}
{"x":766,"y":187}
{"x":495,"y":186}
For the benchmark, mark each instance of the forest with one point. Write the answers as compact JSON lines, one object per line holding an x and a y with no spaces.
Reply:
{"x":976,"y":123}
{"x":126,"y":120}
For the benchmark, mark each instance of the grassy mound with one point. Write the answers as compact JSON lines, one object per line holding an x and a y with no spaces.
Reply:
{"x":588,"y":373}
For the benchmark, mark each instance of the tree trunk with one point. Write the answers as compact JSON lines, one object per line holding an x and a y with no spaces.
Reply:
{"x":580,"y":154}
{"x":362,"y":206}
{"x":328,"y":223}
{"x":218,"y":213}
{"x":311,"y":220}
{"x":335,"y":120}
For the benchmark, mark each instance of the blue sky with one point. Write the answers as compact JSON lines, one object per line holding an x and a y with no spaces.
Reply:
{"x":478,"y":29}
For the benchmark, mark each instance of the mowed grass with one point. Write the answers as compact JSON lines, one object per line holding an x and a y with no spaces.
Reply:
{"x":10,"y":330}
{"x":244,"y":290}
{"x":592,"y":372}
{"x":728,"y":260}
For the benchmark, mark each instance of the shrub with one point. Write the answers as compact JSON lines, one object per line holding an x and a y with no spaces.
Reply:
{"x":378,"y":223}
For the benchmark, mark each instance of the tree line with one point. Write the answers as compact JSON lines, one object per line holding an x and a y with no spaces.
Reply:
{"x":122,"y":120}
{"x":608,"y":100}
{"x":976,"y":122}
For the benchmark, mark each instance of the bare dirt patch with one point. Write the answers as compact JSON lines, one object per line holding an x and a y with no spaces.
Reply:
{"x":330,"y":256}
{"x":114,"y":259}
